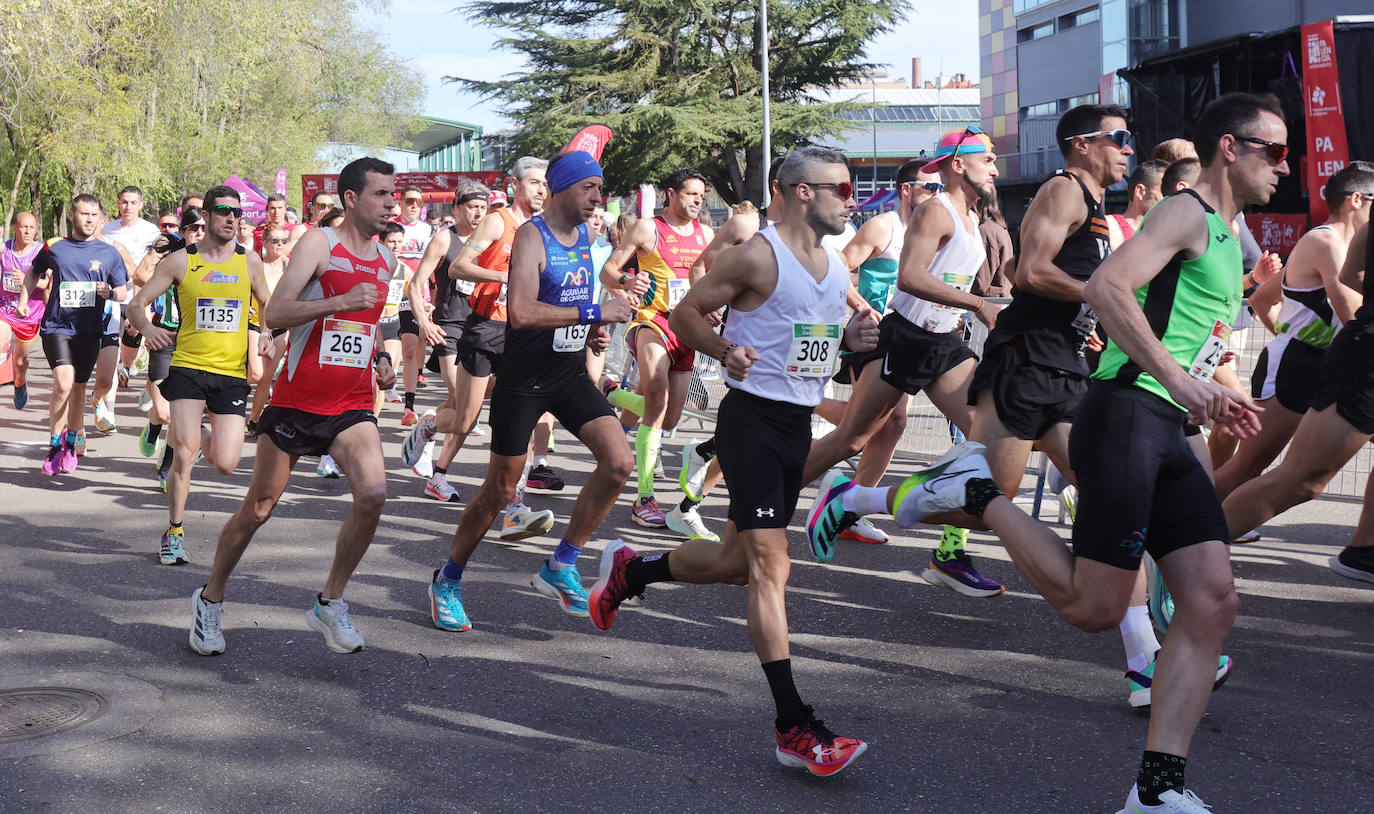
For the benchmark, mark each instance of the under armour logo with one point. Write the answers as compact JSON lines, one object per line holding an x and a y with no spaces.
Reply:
{"x":238,"y":402}
{"x":764,"y":512}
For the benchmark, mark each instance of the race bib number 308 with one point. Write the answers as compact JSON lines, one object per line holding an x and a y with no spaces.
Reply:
{"x":814,"y":350}
{"x":345,"y":343}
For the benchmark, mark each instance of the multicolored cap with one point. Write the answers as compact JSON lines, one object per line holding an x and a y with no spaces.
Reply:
{"x":967,"y":141}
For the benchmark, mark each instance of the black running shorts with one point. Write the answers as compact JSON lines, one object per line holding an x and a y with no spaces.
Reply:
{"x":911,"y":357}
{"x":1140,"y":487}
{"x":1029,"y":398}
{"x":513,"y":413}
{"x":1288,"y":372}
{"x":1346,"y":378}
{"x":160,"y":362}
{"x":480,"y":345}
{"x":79,"y":352}
{"x":390,"y":329}
{"x":453,"y":332}
{"x":762,"y":446}
{"x":298,"y":433}
{"x":408,"y":323}
{"x":223,"y":395}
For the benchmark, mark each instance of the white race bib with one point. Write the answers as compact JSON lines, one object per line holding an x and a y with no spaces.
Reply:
{"x":571,"y":338}
{"x":814,"y":350}
{"x":395,"y":291}
{"x":943,"y":318}
{"x":677,"y":289}
{"x":464,"y":287}
{"x":218,"y":314}
{"x":76,"y":295}
{"x":1205,"y":363}
{"x":501,"y":300}
{"x":345,"y":343}
{"x":14,"y":283}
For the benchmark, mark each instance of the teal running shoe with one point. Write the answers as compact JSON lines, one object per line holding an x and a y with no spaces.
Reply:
{"x":827,"y":517}
{"x":1138,"y":683}
{"x":1160,"y":600}
{"x":446,"y":604}
{"x":565,"y":586}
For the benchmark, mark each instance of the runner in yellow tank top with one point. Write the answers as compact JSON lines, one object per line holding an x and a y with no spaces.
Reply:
{"x":215,"y":281}
{"x":666,"y":247}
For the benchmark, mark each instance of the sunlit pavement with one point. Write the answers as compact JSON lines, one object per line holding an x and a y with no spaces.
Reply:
{"x":969,"y":705}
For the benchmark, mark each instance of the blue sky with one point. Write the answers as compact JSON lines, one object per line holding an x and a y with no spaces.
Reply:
{"x":439,"y":42}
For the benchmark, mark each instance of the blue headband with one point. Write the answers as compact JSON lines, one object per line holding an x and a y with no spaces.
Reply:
{"x":570,"y":168}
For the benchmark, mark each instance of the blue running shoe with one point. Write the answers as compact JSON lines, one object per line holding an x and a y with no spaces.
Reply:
{"x":1161,"y":601}
{"x":446,"y":604}
{"x":827,"y":517}
{"x":21,"y":396}
{"x":565,"y":586}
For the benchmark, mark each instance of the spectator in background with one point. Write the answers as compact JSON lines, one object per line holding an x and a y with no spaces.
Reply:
{"x":1143,"y":190}
{"x":132,"y":232}
{"x":1173,"y":149}
{"x":995,"y":274}
{"x":249,"y":236}
{"x":190,"y":199}
{"x":167,"y":222}
{"x":276,"y":216}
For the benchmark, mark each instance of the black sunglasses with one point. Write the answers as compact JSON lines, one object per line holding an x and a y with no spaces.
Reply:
{"x":236,"y":211}
{"x":1277,"y":152}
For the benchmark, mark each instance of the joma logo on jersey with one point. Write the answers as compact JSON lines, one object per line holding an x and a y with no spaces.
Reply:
{"x":578,"y":277}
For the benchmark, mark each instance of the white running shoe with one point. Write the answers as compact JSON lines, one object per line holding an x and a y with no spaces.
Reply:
{"x":206,"y":638}
{"x":864,"y":531}
{"x":520,"y":522}
{"x":394,"y":396}
{"x":439,"y":488}
{"x":692,"y":478}
{"x":327,"y":468}
{"x":1172,"y":801}
{"x":941,"y":487}
{"x":689,"y":524}
{"x":335,"y":624}
{"x":419,"y":439}
{"x":424,"y":467}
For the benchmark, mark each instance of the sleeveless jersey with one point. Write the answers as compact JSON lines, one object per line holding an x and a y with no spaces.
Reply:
{"x":1190,"y":306}
{"x":878,"y":275}
{"x":328,"y":369}
{"x":214,"y":297}
{"x":1054,"y":331}
{"x":488,"y":298}
{"x":450,"y":295}
{"x":1305,"y":314}
{"x":13,"y":267}
{"x":547,"y":359}
{"x":797,"y":331}
{"x":955,"y":264}
{"x":668,"y":266}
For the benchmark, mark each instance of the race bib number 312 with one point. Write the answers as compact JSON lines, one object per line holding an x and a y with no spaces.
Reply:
{"x":76,"y":294}
{"x":345,"y":343}
{"x":813,"y":351}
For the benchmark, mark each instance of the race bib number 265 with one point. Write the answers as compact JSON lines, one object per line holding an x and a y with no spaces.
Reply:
{"x":345,"y":343}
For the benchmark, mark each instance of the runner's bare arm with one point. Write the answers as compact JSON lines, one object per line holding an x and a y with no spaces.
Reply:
{"x":257,"y":278}
{"x":287,"y":310}
{"x":415,"y":287}
{"x":464,"y":266}
{"x":734,"y":280}
{"x":144,"y":272}
{"x":523,"y":307}
{"x":1174,"y":226}
{"x":297,"y":232}
{"x":869,"y":242}
{"x":1264,"y":301}
{"x":1353,"y":270}
{"x":1054,"y":214}
{"x":167,"y":273}
{"x":641,"y":239}
{"x":739,"y":228}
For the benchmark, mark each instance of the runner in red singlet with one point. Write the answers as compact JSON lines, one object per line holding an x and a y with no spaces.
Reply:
{"x":331,"y":297}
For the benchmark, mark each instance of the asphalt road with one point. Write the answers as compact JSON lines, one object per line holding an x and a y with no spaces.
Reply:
{"x":969,"y":705}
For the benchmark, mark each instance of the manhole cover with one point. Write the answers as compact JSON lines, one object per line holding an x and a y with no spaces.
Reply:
{"x":27,"y":713}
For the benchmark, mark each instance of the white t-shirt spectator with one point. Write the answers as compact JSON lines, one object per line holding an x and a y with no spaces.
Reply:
{"x":137,"y":238}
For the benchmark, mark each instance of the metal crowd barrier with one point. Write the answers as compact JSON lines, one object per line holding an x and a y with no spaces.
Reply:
{"x":927,"y":433}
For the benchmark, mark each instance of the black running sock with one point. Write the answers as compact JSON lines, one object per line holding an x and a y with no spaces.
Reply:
{"x":646,"y":571}
{"x":320,"y":597}
{"x":790,"y":708}
{"x":1159,"y":772}
{"x":688,"y":504}
{"x":440,"y":470}
{"x":978,"y":493}
{"x":166,"y":458}
{"x":154,"y":432}
{"x":707,"y":449}
{"x":410,"y":401}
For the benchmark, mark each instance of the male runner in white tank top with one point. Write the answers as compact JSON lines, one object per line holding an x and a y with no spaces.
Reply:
{"x":786,"y":294}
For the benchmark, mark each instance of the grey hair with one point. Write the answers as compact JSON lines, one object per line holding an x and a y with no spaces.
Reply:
{"x":800,"y":163}
{"x":468,"y":186}
{"x":526,"y":164}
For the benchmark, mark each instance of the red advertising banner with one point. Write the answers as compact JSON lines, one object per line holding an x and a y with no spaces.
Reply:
{"x":1327,"y":151}
{"x":438,"y":187}
{"x":1276,"y":233}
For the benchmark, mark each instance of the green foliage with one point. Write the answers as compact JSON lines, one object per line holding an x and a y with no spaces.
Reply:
{"x":678,"y":80}
{"x":173,"y":95}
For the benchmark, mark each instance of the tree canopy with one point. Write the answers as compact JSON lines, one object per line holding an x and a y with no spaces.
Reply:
{"x":175,"y":95}
{"x":678,"y":80}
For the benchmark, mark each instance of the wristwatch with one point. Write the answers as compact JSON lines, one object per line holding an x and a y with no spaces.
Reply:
{"x":625,"y":279}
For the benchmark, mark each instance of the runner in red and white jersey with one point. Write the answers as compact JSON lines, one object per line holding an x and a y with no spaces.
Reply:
{"x":330,"y":296}
{"x":417,"y":237}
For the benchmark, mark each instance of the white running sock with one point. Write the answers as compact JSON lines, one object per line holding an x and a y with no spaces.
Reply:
{"x":865,"y":500}
{"x":1138,"y":637}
